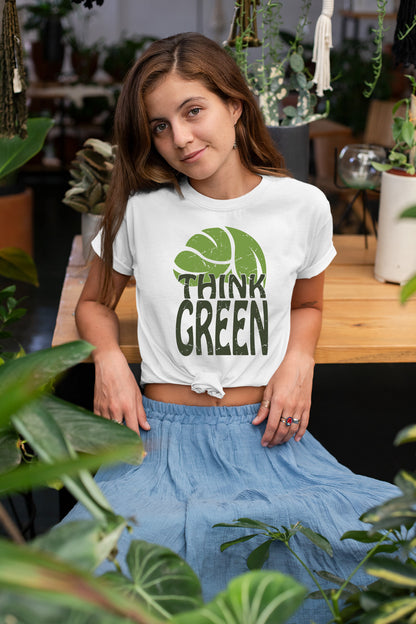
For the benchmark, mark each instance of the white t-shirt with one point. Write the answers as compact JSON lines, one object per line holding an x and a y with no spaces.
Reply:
{"x":215,"y":278}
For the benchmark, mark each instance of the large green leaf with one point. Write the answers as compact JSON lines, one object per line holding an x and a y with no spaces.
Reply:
{"x":83,"y":543}
{"x":36,"y":475}
{"x":75,"y":422}
{"x":23,"y":379}
{"x":408,"y":434}
{"x":10,"y":455}
{"x":254,"y":598}
{"x":17,"y":264}
{"x":46,"y":438}
{"x":160,"y":579}
{"x":15,"y":152}
{"x":408,"y":289}
{"x":393,"y":571}
{"x":33,"y":573}
{"x":392,"y":611}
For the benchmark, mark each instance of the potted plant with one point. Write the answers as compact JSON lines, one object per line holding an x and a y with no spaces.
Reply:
{"x":45,"y":17}
{"x":84,"y":55}
{"x":16,"y":203}
{"x":280,"y":77}
{"x":90,"y":176}
{"x":119,"y":56}
{"x":396,"y":243}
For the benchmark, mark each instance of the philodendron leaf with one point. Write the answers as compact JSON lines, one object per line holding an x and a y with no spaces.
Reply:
{"x":42,"y":432}
{"x":23,"y":379}
{"x":16,"y":264}
{"x":256,"y":597}
{"x":75,"y":422}
{"x":160,"y":579}
{"x":10,"y":455}
{"x":83,"y":543}
{"x":34,"y":573}
{"x":15,"y":152}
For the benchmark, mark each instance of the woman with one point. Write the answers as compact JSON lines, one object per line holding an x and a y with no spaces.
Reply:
{"x":228,"y":253}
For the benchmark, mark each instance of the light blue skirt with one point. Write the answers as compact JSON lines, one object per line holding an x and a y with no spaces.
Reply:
{"x":205,"y":465}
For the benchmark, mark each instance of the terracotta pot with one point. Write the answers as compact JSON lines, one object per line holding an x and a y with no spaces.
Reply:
{"x":84,"y":65}
{"x":396,"y":239}
{"x":16,"y":220}
{"x":46,"y":70}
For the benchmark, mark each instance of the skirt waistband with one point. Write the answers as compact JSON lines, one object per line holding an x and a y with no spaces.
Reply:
{"x":192,"y":414}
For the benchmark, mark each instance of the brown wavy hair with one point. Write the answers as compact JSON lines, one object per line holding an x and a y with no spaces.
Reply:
{"x":138,"y":166}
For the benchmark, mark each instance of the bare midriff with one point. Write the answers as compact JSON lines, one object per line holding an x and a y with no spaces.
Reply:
{"x":184,"y":395}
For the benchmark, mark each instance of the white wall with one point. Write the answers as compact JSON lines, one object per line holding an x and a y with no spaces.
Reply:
{"x":166,"y":17}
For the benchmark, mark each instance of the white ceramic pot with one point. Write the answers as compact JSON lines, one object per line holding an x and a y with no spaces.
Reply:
{"x":396,"y":238}
{"x":90,"y":224}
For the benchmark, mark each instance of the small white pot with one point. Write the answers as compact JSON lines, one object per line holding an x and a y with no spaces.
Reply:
{"x":396,"y":238}
{"x":90,"y":224}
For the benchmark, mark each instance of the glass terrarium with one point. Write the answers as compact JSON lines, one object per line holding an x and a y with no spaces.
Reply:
{"x":355,"y":165}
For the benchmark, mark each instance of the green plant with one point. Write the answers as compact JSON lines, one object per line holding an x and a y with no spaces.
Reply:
{"x":15,"y":152}
{"x":42,"y":10}
{"x":91,"y":173}
{"x":120,"y":56}
{"x":403,"y":154}
{"x":281,"y":70}
{"x":351,"y":64}
{"x":390,"y":598}
{"x":409,"y":288}
{"x":50,"y":579}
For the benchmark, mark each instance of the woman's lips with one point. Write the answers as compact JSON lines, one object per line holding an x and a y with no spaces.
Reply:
{"x":193,"y":156}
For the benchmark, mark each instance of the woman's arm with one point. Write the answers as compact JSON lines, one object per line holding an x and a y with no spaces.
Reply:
{"x":116,"y":393}
{"x":290,"y":388}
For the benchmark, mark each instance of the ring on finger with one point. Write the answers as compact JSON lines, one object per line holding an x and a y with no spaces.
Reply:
{"x":295,"y":421}
{"x":265,"y":403}
{"x":287,"y":421}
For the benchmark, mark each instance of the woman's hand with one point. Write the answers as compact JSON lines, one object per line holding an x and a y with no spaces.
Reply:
{"x":288,"y":396}
{"x":116,"y":393}
{"x":288,"y":393}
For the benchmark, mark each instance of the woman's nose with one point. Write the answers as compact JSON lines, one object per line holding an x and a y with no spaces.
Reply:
{"x":181,"y":134}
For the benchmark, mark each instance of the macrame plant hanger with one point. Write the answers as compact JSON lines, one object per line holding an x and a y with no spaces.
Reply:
{"x":321,"y":47}
{"x":13,"y":109}
{"x":244,"y":24}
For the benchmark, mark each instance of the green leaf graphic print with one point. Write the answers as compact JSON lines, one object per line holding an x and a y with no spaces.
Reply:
{"x":220,"y":251}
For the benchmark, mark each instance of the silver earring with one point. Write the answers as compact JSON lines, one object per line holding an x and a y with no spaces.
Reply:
{"x":235,"y":146}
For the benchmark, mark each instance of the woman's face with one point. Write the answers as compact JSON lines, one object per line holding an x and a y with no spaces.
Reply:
{"x":193,"y":130}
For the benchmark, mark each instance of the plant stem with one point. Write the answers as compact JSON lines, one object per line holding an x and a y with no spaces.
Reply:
{"x":368,"y":555}
{"x":324,"y":596}
{"x":10,"y":526}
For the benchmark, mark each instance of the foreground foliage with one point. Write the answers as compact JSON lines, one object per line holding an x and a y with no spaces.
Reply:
{"x":44,"y":440}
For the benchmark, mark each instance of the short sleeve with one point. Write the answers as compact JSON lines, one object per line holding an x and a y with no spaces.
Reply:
{"x":320,"y":248}
{"x":122,"y":256}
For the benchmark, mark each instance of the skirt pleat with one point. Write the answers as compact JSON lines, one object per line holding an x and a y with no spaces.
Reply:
{"x":205,"y":465}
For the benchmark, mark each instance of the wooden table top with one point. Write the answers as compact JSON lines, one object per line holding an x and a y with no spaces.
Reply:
{"x":363,"y":320}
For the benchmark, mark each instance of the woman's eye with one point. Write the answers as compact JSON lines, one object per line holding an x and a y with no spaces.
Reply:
{"x":194,"y":111}
{"x":160,"y":127}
